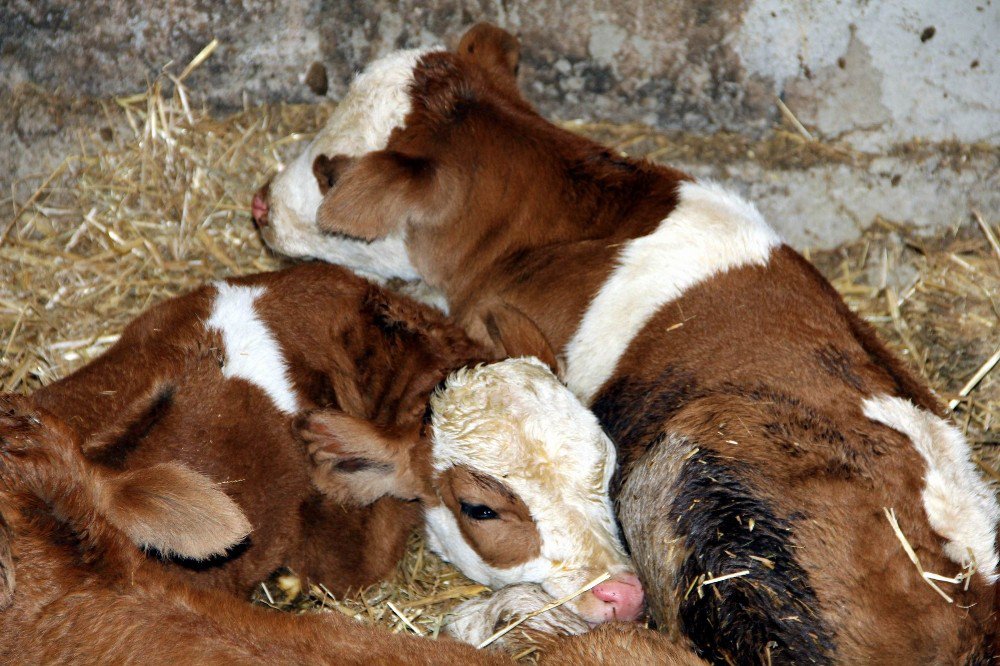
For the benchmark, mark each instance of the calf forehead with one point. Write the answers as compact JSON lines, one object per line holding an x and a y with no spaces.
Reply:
{"x":516,"y":421}
{"x":377,"y":102}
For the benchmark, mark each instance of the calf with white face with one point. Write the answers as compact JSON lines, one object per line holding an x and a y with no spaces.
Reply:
{"x":522,"y":471}
{"x":518,"y":493}
{"x":285,"y":209}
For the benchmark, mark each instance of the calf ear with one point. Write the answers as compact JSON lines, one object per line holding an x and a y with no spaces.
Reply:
{"x":356,"y":462}
{"x":328,"y":169}
{"x":175,"y":510}
{"x":376,"y":195}
{"x":513,"y":333}
{"x":6,"y":567}
{"x":492,"y":48}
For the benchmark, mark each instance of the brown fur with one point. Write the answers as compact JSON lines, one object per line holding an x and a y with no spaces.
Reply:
{"x":158,"y":395}
{"x":627,"y":644}
{"x":86,"y":594}
{"x":358,"y":462}
{"x":327,"y":170}
{"x":507,"y":209}
{"x":503,"y":542}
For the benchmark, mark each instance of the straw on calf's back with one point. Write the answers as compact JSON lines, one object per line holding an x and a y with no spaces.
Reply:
{"x":214,"y":378}
{"x":762,"y":427}
{"x":76,"y":588}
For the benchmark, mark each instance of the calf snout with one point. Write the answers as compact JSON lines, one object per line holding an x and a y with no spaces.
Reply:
{"x":622,"y":598}
{"x":259,"y":207}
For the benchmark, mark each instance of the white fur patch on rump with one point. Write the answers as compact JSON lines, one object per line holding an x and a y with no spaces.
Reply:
{"x":252,"y":352}
{"x":710,"y":231}
{"x":960,"y":505}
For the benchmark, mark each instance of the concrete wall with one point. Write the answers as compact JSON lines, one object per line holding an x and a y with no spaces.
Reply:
{"x":868,"y":71}
{"x":865,"y":72}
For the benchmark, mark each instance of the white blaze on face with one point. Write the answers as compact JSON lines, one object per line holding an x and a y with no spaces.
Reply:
{"x":960,"y":506}
{"x":514,"y":421}
{"x":376,"y":103}
{"x":710,"y":231}
{"x":252,"y":352}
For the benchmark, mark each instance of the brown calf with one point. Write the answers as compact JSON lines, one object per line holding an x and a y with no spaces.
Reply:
{"x":763,"y":430}
{"x":214,"y":379}
{"x":76,"y":588}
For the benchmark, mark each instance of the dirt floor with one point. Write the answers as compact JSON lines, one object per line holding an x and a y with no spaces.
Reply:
{"x":156,"y":200}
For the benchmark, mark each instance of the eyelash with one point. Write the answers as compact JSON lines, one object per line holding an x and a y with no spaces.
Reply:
{"x":478,"y":511}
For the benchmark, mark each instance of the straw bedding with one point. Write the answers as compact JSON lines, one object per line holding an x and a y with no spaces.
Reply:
{"x":155,"y":200}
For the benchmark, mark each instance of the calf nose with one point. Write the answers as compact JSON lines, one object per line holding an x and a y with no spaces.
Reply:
{"x":624,"y":594}
{"x":259,"y":207}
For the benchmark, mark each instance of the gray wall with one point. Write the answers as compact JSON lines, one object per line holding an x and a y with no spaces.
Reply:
{"x":870,"y":72}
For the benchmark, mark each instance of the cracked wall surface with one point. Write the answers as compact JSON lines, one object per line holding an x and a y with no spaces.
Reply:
{"x":869,"y":74}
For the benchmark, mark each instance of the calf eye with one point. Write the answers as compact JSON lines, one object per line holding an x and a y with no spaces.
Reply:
{"x":478,"y":511}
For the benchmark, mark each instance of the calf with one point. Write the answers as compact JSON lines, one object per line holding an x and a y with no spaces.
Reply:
{"x":762,"y":428}
{"x":519,"y":493}
{"x":215,"y":378}
{"x":76,"y":588}
{"x":227,"y":379}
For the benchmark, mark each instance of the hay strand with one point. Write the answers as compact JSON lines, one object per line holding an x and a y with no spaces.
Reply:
{"x":544,"y":609}
{"x":719,"y":579}
{"x":198,"y":59}
{"x":790,"y":117}
{"x":984,"y":370}
{"x":890,"y":515}
{"x":988,"y":232}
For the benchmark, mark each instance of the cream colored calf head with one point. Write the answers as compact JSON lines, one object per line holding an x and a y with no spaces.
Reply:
{"x":376,"y":103}
{"x":522,"y":471}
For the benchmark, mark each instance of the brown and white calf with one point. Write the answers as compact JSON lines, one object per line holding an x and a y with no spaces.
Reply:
{"x":77,"y":588}
{"x":762,"y":428}
{"x":228,"y":378}
{"x":521,"y":476}
{"x":215,"y":378}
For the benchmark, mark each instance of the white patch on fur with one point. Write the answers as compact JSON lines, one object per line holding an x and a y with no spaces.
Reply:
{"x":960,"y":506}
{"x":376,"y":103}
{"x":709,"y":232}
{"x":516,"y":422}
{"x":252,"y":352}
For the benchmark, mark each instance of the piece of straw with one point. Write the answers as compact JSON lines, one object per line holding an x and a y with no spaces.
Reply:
{"x":983,"y":370}
{"x":544,"y":609}
{"x":890,"y":515}
{"x":988,"y":232}
{"x":719,"y":579}
{"x":198,"y":59}
{"x":787,"y":113}
{"x":405,"y":619}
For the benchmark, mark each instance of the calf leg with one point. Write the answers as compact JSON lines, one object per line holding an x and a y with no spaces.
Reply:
{"x":690,"y":516}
